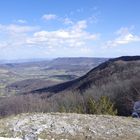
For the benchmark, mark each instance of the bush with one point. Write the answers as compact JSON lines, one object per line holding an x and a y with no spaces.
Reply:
{"x":102,"y":106}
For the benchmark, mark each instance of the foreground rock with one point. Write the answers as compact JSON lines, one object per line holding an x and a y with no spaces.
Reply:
{"x":56,"y":126}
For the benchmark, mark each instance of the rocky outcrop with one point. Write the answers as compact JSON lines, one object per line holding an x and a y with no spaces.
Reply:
{"x":57,"y":126}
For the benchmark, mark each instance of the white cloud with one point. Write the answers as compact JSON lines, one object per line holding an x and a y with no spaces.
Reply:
{"x":14,"y":36}
{"x":48,"y":17}
{"x":13,"y":28}
{"x":85,"y":50}
{"x":3,"y":45}
{"x":81,"y":25}
{"x":67,"y":21}
{"x":21,"y":21}
{"x":124,"y":37}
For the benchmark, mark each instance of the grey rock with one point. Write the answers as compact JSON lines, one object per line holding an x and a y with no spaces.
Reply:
{"x":70,"y":126}
{"x":30,"y":136}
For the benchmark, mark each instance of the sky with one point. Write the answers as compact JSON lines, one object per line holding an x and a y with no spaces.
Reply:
{"x":31,"y":29}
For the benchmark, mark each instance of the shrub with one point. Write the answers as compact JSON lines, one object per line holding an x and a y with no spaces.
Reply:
{"x":102,"y":106}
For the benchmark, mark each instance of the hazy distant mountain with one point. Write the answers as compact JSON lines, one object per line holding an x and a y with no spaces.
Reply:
{"x":24,"y":60}
{"x":32,"y":75}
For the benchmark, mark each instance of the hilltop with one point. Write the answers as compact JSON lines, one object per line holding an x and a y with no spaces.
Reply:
{"x":118,"y":78}
{"x":113,"y":84}
{"x":125,"y":66}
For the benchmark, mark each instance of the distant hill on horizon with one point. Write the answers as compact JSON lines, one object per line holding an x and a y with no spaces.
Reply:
{"x":11,"y":61}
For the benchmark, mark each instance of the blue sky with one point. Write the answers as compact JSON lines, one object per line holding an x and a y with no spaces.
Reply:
{"x":69,"y":28}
